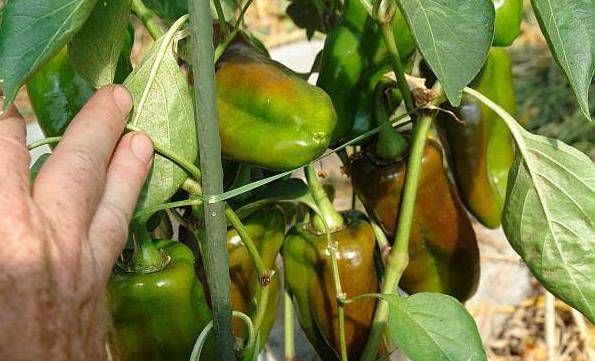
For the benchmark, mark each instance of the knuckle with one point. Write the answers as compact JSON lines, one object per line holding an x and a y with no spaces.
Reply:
{"x":117,"y":221}
{"x":83,"y":159}
{"x":15,"y":144}
{"x":130,"y":169}
{"x":110,"y":117}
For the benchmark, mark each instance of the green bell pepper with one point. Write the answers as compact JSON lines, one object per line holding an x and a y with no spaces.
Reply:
{"x":157,"y":315}
{"x":509,"y":14}
{"x":57,"y":92}
{"x":351,"y":49}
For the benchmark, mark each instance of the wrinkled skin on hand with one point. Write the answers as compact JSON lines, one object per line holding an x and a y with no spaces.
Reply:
{"x":62,"y":235}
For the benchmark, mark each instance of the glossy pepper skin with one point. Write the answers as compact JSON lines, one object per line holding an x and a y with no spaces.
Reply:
{"x":481,"y":150}
{"x":353,"y":47}
{"x":308,"y":276}
{"x":269,"y":116}
{"x":157,"y":316}
{"x":57,"y":92}
{"x":267,"y":229}
{"x":443,"y":251}
{"x":509,"y":14}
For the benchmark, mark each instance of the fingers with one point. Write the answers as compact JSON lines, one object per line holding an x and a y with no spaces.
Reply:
{"x":125,"y":178}
{"x":14,"y":158}
{"x":70,"y":185}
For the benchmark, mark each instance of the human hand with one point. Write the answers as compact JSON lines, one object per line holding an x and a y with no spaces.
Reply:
{"x":61,"y":236}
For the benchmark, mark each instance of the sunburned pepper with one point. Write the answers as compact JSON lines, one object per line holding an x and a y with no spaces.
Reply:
{"x":309,"y":279}
{"x":157,"y":315}
{"x":509,"y":14}
{"x":479,"y":143}
{"x":269,"y":116}
{"x":57,"y":92}
{"x":443,"y":251}
{"x":353,"y":47}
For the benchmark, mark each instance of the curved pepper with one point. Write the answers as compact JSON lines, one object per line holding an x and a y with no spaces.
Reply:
{"x":509,"y":14}
{"x":269,"y":116}
{"x":443,"y":251}
{"x":354,"y":46}
{"x":481,"y":148}
{"x":309,"y":278}
{"x":57,"y":92}
{"x":266,"y":227}
{"x":157,"y":316}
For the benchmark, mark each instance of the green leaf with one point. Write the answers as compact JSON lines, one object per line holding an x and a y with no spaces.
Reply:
{"x":168,"y":10}
{"x":569,"y":28}
{"x":163,"y":109}
{"x":549,"y":214}
{"x":454,"y":37}
{"x":36,"y":167}
{"x":286,"y":190}
{"x":32,"y":32}
{"x":433,"y":326}
{"x":95,"y":49}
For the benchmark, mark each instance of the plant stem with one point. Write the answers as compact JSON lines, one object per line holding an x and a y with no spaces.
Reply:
{"x":146,"y":258}
{"x":288,"y":327}
{"x":44,"y":141}
{"x":216,"y":260}
{"x":332,"y":218}
{"x":261,"y":309}
{"x":189,"y":167}
{"x":395,"y":61}
{"x":149,"y":211}
{"x":221,"y":17}
{"x":148,"y":19}
{"x":398,"y":258}
{"x":264,"y":275}
{"x":328,"y":220}
{"x":229,"y":37}
{"x":342,"y":154}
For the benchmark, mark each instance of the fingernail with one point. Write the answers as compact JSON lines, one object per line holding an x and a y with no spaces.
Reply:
{"x":122,"y":98}
{"x":141,"y":147}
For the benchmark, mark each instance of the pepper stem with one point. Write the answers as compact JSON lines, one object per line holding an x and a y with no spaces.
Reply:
{"x":146,"y":257}
{"x":390,"y":144}
{"x":398,"y":257}
{"x":264,"y":275}
{"x":288,"y":327}
{"x":332,"y":218}
{"x":328,"y":220}
{"x":148,"y":19}
{"x":395,"y":61}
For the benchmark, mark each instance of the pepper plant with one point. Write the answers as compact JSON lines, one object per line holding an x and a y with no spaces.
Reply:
{"x":230,"y":126}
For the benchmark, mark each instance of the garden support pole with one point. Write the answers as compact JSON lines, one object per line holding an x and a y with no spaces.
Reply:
{"x":216,"y":262}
